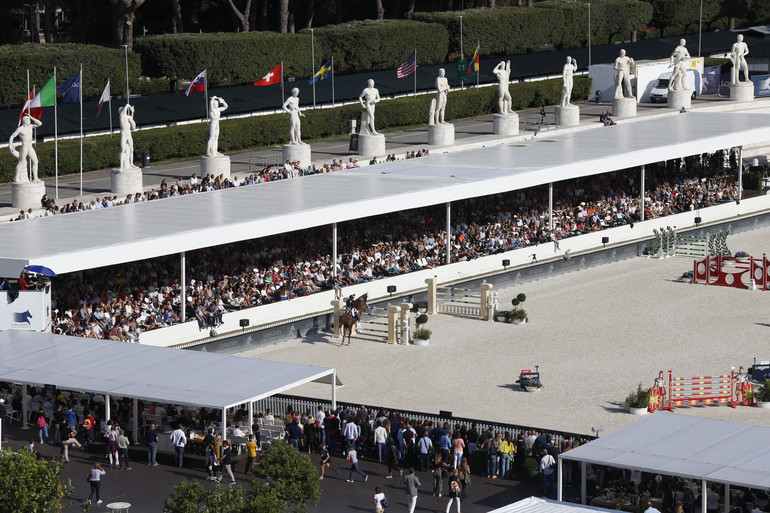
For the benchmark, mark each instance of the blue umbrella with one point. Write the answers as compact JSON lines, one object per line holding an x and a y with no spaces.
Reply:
{"x":40,"y":269}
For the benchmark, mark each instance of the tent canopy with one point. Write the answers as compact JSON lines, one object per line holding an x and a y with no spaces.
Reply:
{"x":138,"y":232}
{"x":682,"y":445}
{"x":537,"y":505}
{"x":145,"y":372}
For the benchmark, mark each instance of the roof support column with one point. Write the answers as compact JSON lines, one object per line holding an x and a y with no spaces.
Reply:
{"x":182,"y":285}
{"x":334,"y":253}
{"x":135,"y":422}
{"x":106,"y":407}
{"x":559,"y":476}
{"x":703,"y":496}
{"x":224,"y":424}
{"x":583,"y":482}
{"x":641,"y":195}
{"x":250,"y":411}
{"x":24,"y":407}
{"x":448,"y":233}
{"x":334,"y":389}
{"x":740,"y":175}
{"x":550,"y":209}
{"x":728,"y":501}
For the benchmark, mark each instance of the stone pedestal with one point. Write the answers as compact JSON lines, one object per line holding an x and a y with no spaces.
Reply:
{"x":27,"y":195}
{"x":678,"y":99}
{"x":568,"y":116}
{"x":742,"y":92}
{"x":371,"y":145}
{"x":441,"y":135}
{"x":299,"y":152}
{"x":219,"y":165}
{"x":505,"y":124}
{"x":624,"y":107}
{"x":126,"y":181}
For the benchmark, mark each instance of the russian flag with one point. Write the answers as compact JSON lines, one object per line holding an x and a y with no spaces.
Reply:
{"x":198,"y":84}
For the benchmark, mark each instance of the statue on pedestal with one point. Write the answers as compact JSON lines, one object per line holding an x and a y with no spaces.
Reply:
{"x":126,"y":141}
{"x":503,"y":73}
{"x":623,"y":66}
{"x":566,"y":89}
{"x":216,"y":106}
{"x":368,"y":99}
{"x":291,"y":105}
{"x":438,"y":105}
{"x":738,"y":58}
{"x":27,"y":137}
{"x":679,"y":57}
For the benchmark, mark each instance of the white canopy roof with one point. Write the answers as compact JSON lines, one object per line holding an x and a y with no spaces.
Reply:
{"x":146,"y":372}
{"x":537,"y":505}
{"x":130,"y":233}
{"x":682,"y":445}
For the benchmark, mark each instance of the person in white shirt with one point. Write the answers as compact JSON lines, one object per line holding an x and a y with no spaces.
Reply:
{"x":178,"y":440}
{"x":381,"y":439}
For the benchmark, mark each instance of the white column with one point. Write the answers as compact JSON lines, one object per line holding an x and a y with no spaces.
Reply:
{"x":583,"y":482}
{"x":24,"y":407}
{"x":550,"y":209}
{"x":224,"y":424}
{"x":641,"y":189}
{"x":334,"y":252}
{"x":106,"y":407}
{"x":728,"y":501}
{"x":703,"y":496}
{"x":448,"y":233}
{"x":251,"y":414}
{"x":740,"y":172}
{"x":559,"y":476}
{"x":135,"y":423}
{"x":334,"y":389}
{"x":182,"y":284}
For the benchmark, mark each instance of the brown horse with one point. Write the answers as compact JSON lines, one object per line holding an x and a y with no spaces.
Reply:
{"x":347,"y":321}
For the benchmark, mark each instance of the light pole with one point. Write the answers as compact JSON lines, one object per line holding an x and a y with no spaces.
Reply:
{"x":462,"y":54}
{"x":589,"y":34}
{"x":312,"y":56}
{"x":128,"y":93}
{"x":700,"y":26}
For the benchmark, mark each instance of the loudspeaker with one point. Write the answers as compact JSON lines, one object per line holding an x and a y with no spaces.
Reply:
{"x":698,"y":220}
{"x":506,"y":262}
{"x":244,"y":323}
{"x":445,"y":414}
{"x":391,"y":289}
{"x":605,"y":240}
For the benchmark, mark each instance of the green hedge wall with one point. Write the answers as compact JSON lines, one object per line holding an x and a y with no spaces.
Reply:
{"x":99,"y":64}
{"x":373,"y":45}
{"x":228,"y":58}
{"x":265,"y":131}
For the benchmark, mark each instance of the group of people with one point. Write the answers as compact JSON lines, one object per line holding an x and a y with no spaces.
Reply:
{"x":142,"y":296}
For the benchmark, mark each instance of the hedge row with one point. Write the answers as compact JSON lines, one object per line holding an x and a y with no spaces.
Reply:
{"x":265,"y":131}
{"x":99,"y":64}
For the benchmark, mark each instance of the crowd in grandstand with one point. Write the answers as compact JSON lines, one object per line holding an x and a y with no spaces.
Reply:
{"x":141,"y":296}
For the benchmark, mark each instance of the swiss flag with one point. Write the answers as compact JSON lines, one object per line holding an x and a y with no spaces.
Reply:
{"x":274,"y":77}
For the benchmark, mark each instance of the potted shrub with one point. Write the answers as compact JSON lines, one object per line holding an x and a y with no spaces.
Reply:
{"x":421,"y":336}
{"x":531,"y":466}
{"x":422,"y":307}
{"x":421,"y":319}
{"x":501,"y":316}
{"x":762,"y":395}
{"x":532,"y":385}
{"x":638,"y":401}
{"x":518,"y":315}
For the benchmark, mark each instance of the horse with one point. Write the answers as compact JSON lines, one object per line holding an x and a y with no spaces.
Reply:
{"x":347,"y":321}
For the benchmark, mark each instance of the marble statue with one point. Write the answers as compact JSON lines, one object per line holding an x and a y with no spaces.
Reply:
{"x":291,"y":105}
{"x":126,"y":141}
{"x":738,"y":58}
{"x":216,"y":106}
{"x":679,"y":58}
{"x":27,"y":137}
{"x":438,"y":105}
{"x":566,"y":89}
{"x":503,"y":73}
{"x":369,"y":98}
{"x":623,"y":66}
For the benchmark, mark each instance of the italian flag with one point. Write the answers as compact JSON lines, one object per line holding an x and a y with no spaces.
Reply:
{"x":45,"y":98}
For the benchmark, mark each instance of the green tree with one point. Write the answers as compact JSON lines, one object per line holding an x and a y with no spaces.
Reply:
{"x":293,"y":482}
{"x":188,"y":496}
{"x":31,"y":485}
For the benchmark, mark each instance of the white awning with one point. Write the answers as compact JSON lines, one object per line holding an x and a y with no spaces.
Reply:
{"x":145,"y":372}
{"x":537,"y":505}
{"x":87,"y":240}
{"x":682,"y":445}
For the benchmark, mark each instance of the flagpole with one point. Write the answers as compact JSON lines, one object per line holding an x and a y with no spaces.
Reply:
{"x":332,"y":81}
{"x":81,"y":128}
{"x":128,"y":93}
{"x":415,"y":72}
{"x":206,"y":92}
{"x":282,"y":92}
{"x":29,"y":102}
{"x":109,"y":101}
{"x":56,"y":134}
{"x":312,"y":53}
{"x":478,"y":45}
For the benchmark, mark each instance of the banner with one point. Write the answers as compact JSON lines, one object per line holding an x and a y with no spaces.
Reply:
{"x":761,"y":85}
{"x":724,"y":84}
{"x":711,"y":76}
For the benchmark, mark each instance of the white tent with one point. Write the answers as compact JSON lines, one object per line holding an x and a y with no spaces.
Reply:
{"x":537,"y":505}
{"x":150,"y":373}
{"x":691,"y":447}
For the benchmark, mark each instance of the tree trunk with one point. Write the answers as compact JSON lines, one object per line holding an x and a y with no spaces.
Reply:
{"x":310,"y":14}
{"x":176,"y":17}
{"x":291,"y":17}
{"x":380,"y":10}
{"x":264,"y":21}
{"x":633,"y":36}
{"x":530,"y":3}
{"x":732,"y":23}
{"x":410,"y":11}
{"x":125,"y":12}
{"x":242,"y":17}
{"x":283,"y":18}
{"x":491,"y":4}
{"x":338,"y":11}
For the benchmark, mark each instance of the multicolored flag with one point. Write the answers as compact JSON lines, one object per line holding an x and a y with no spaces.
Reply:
{"x":105,"y":97}
{"x":408,"y":66}
{"x":198,"y":84}
{"x":473,"y":64}
{"x":45,"y":98}
{"x":324,"y":71}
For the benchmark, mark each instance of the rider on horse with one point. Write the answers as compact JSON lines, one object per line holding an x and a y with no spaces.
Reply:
{"x":350,"y":307}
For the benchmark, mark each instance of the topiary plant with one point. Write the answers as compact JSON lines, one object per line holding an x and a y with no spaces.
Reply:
{"x":422,"y":319}
{"x":640,"y":398}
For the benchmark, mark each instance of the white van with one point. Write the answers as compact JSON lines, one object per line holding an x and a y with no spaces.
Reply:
{"x":659,"y":91}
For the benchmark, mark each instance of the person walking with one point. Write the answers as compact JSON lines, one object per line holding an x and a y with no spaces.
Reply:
{"x":454,"y":491}
{"x":152,"y":445}
{"x":251,"y":453}
{"x":439,"y":471}
{"x":392,"y":457}
{"x":212,"y":461}
{"x":412,"y":483}
{"x":464,"y":473}
{"x":227,"y":462}
{"x":122,"y":444}
{"x":178,"y":440}
{"x":379,"y":500}
{"x":326,"y":461}
{"x":353,"y":458}
{"x":424,"y":447}
{"x":112,"y":448}
{"x":68,"y":438}
{"x":95,"y":480}
{"x":547,"y":465}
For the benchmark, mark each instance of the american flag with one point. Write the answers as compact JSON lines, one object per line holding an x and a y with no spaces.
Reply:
{"x":408,"y":66}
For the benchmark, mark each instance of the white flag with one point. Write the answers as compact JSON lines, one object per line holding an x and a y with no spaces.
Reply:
{"x":104,"y":98}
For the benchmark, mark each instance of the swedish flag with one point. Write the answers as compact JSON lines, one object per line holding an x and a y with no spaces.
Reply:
{"x":324,"y":72}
